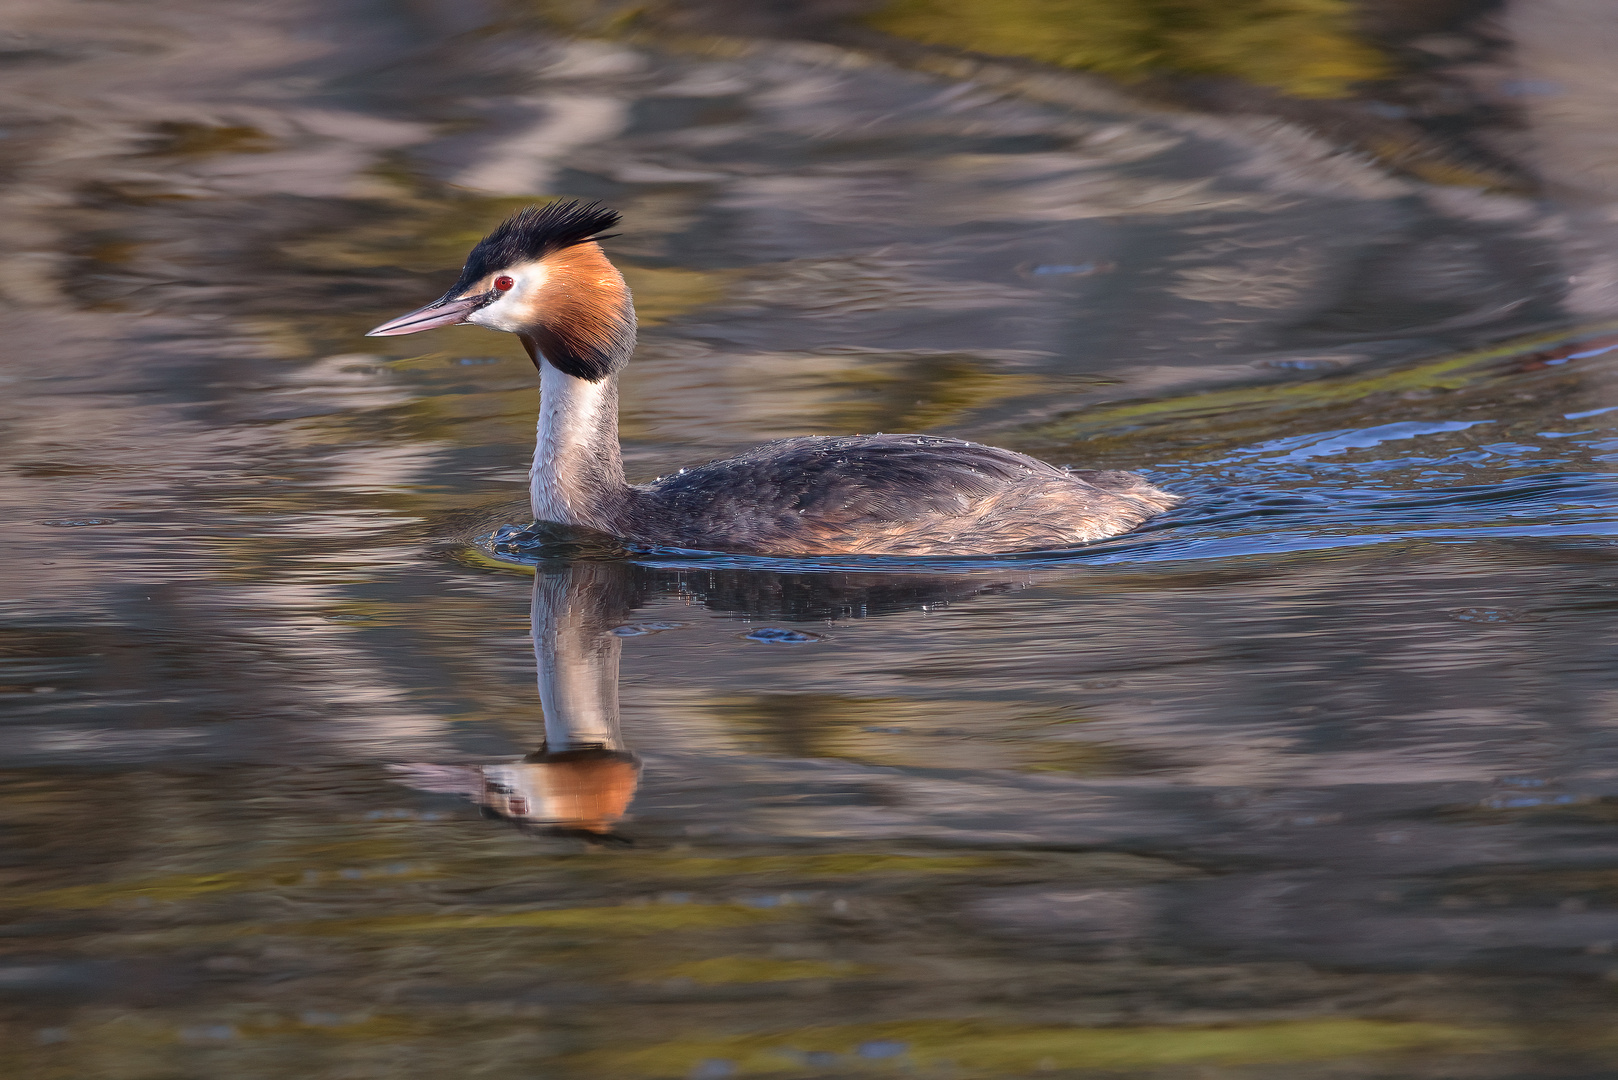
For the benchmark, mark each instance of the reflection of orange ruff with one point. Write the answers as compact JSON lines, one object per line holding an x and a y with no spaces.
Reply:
{"x":586,"y":791}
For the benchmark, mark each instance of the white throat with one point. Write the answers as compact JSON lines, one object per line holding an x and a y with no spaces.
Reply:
{"x":576,"y":456}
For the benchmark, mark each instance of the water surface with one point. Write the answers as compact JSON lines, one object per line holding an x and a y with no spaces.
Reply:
{"x":1314,"y":776}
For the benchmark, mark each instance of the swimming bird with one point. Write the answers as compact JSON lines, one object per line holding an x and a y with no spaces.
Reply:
{"x":543,"y":276}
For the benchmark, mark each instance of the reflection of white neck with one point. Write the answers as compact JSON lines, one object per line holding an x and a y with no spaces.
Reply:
{"x":578,"y":468}
{"x":577,"y":660}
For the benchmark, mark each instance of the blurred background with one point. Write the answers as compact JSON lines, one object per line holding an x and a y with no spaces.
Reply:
{"x":1316,"y":776}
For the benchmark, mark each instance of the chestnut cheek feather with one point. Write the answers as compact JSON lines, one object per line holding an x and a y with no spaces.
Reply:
{"x":585,"y":326}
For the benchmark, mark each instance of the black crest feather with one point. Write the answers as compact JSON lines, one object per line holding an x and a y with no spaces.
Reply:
{"x":534,"y":233}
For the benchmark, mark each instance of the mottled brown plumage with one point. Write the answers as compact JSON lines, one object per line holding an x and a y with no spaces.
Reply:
{"x":542,"y":276}
{"x":884,"y":495}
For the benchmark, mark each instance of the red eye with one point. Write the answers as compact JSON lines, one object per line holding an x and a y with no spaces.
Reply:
{"x":503,"y":284}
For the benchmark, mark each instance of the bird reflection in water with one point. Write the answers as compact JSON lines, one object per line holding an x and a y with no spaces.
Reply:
{"x":581,"y":780}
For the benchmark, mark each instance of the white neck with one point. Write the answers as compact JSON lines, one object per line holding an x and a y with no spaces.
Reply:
{"x":578,"y":470}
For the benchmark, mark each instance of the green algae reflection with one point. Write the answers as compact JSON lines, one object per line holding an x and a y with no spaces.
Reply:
{"x":179,"y":888}
{"x":613,"y":921}
{"x":734,"y":970}
{"x":976,"y":1049}
{"x":609,"y":922}
{"x":1303,"y":47}
{"x":1203,"y":425}
{"x":185,"y":887}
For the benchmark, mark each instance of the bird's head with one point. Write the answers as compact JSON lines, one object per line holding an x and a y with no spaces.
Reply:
{"x":542,"y":276}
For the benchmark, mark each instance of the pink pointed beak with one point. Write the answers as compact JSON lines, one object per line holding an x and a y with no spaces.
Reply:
{"x":439,"y":313}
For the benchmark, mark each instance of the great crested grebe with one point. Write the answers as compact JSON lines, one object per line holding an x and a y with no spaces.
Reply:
{"x":542,"y":276}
